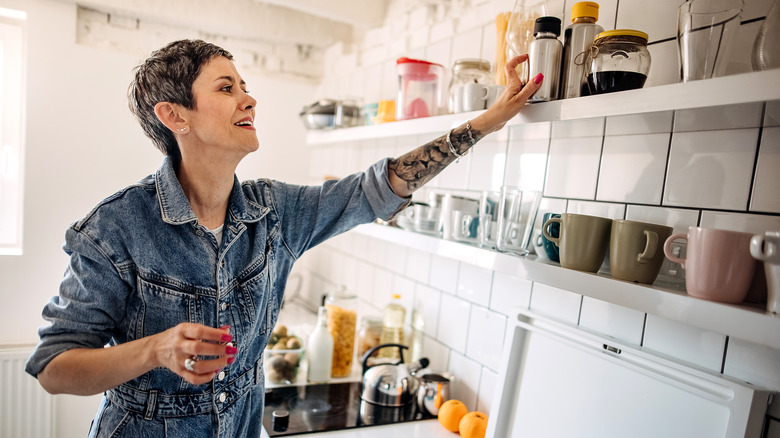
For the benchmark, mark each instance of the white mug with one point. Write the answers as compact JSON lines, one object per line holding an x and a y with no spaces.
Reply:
{"x":766,"y":248}
{"x":474,"y":97}
{"x":493,"y":92}
{"x":451,"y":203}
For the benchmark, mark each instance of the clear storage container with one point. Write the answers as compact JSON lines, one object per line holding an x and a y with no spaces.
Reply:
{"x":618,"y":61}
{"x":419,"y":85}
{"x":342,"y":324}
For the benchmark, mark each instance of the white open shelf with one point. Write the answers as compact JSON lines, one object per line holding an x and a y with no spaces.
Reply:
{"x":750,"y":323}
{"x":699,"y":94}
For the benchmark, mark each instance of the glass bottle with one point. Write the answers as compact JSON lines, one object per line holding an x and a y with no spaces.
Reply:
{"x":320,"y":350}
{"x":393,"y":317}
{"x":342,"y":324}
{"x":577,"y":39}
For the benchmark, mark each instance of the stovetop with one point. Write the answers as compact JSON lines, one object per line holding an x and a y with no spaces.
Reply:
{"x":334,"y":406}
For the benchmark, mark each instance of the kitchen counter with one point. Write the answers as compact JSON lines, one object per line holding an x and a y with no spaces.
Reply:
{"x":416,"y":429}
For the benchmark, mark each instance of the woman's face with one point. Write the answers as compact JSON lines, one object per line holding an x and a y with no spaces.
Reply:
{"x":224,"y":114}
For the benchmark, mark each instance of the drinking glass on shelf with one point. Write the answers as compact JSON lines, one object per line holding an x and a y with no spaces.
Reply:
{"x":516,"y":216}
{"x":706,"y":30}
{"x":520,"y":30}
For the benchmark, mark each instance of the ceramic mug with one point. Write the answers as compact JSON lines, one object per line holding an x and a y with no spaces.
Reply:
{"x":636,"y":250}
{"x":767,"y":249}
{"x":493,"y":92}
{"x":451,"y":203}
{"x":550,"y":248}
{"x":718,"y":265}
{"x":583,"y":240}
{"x":464,"y":226}
{"x":474,"y":97}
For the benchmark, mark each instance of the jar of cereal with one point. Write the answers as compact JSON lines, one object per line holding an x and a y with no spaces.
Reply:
{"x":342,"y":322}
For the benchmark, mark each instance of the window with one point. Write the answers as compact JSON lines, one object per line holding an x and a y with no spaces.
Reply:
{"x":11,"y":129}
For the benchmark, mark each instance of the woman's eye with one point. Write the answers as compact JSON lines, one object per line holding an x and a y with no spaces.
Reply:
{"x":247,"y":91}
{"x":227,"y":88}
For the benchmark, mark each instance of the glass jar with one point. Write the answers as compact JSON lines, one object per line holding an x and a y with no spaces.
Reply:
{"x":342,"y":322}
{"x":369,"y":336}
{"x":466,"y":71}
{"x":618,"y":60}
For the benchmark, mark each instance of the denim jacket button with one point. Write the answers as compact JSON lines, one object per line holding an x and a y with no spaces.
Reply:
{"x":221,"y":376}
{"x":199,"y":232}
{"x":222,"y":397}
{"x":224,"y":306}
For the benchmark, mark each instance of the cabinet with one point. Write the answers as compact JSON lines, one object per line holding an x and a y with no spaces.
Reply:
{"x":750,"y":323}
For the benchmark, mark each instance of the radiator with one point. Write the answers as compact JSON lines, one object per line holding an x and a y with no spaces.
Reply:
{"x":26,"y":410}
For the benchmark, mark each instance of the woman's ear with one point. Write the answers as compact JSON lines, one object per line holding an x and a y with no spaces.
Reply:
{"x":169,"y":115}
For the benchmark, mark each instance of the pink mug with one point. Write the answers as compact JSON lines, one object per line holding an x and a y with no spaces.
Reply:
{"x":718,"y":266}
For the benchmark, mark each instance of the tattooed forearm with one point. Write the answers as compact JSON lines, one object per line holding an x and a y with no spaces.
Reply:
{"x":422,"y":164}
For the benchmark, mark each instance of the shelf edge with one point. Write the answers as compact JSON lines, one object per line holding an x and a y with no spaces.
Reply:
{"x":743,"y":322}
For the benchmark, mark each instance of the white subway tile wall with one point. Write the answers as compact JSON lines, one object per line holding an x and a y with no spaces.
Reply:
{"x":715,"y":167}
{"x":699,"y":347}
{"x":621,"y":323}
{"x":711,"y":169}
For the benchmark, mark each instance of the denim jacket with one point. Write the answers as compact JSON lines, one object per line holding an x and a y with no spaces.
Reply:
{"x":140,"y":264}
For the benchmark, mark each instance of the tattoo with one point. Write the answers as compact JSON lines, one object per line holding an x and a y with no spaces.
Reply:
{"x":422,"y":164}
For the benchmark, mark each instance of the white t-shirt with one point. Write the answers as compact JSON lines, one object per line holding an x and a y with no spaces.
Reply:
{"x":217,"y":232}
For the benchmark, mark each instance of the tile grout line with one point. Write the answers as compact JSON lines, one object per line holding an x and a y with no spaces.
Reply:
{"x":752,"y":188}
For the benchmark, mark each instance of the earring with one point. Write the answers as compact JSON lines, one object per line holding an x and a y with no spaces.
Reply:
{"x":182,"y":129}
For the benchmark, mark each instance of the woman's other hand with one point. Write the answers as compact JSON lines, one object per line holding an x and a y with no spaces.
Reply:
{"x":173,"y":347}
{"x":510,"y":102}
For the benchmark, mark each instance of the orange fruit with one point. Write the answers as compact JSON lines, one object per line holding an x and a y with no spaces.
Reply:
{"x":450,"y":414}
{"x":473,"y":425}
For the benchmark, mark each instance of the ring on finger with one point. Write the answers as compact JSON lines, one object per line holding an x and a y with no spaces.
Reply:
{"x":189,"y":363}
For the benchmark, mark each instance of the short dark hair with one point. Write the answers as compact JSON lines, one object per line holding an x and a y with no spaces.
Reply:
{"x":167,"y":76}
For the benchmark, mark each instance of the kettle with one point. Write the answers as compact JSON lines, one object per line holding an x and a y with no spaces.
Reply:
{"x":391,"y":384}
{"x":434,"y":391}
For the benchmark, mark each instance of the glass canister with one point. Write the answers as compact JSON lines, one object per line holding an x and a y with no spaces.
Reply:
{"x":369,"y":336}
{"x":419,"y":88}
{"x":617,"y":61}
{"x":342,"y":322}
{"x":466,"y":71}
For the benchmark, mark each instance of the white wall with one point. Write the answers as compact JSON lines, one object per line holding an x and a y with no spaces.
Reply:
{"x":636,"y":167}
{"x":83,"y":145}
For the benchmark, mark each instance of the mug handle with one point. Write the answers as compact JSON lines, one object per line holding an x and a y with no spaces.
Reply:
{"x":765,"y":249}
{"x":650,"y":247}
{"x":668,"y":248}
{"x":465,"y":225}
{"x":555,"y":240}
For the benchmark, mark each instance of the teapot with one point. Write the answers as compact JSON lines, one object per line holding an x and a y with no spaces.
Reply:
{"x":391,"y":384}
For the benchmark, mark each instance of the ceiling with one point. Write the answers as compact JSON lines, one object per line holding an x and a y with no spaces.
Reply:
{"x":314,"y":23}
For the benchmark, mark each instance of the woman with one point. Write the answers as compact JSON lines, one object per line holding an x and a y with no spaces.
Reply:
{"x":182,"y":274}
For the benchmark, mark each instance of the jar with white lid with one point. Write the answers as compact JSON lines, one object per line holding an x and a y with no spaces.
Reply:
{"x":466,"y":71}
{"x":618,"y":60}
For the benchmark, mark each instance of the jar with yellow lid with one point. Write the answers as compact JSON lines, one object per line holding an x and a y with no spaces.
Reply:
{"x":617,"y":61}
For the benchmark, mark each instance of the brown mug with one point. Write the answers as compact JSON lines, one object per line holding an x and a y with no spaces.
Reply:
{"x":583,"y":240}
{"x":636,"y":250}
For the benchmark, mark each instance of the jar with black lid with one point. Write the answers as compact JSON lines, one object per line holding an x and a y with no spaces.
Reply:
{"x":617,"y":61}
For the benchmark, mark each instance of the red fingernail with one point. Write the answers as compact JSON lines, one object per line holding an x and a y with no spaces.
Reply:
{"x":231,"y":350}
{"x":538,"y":78}
{"x":227,"y":338}
{"x":231,"y":359}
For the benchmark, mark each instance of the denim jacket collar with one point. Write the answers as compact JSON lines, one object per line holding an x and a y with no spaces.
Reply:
{"x":175,"y":207}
